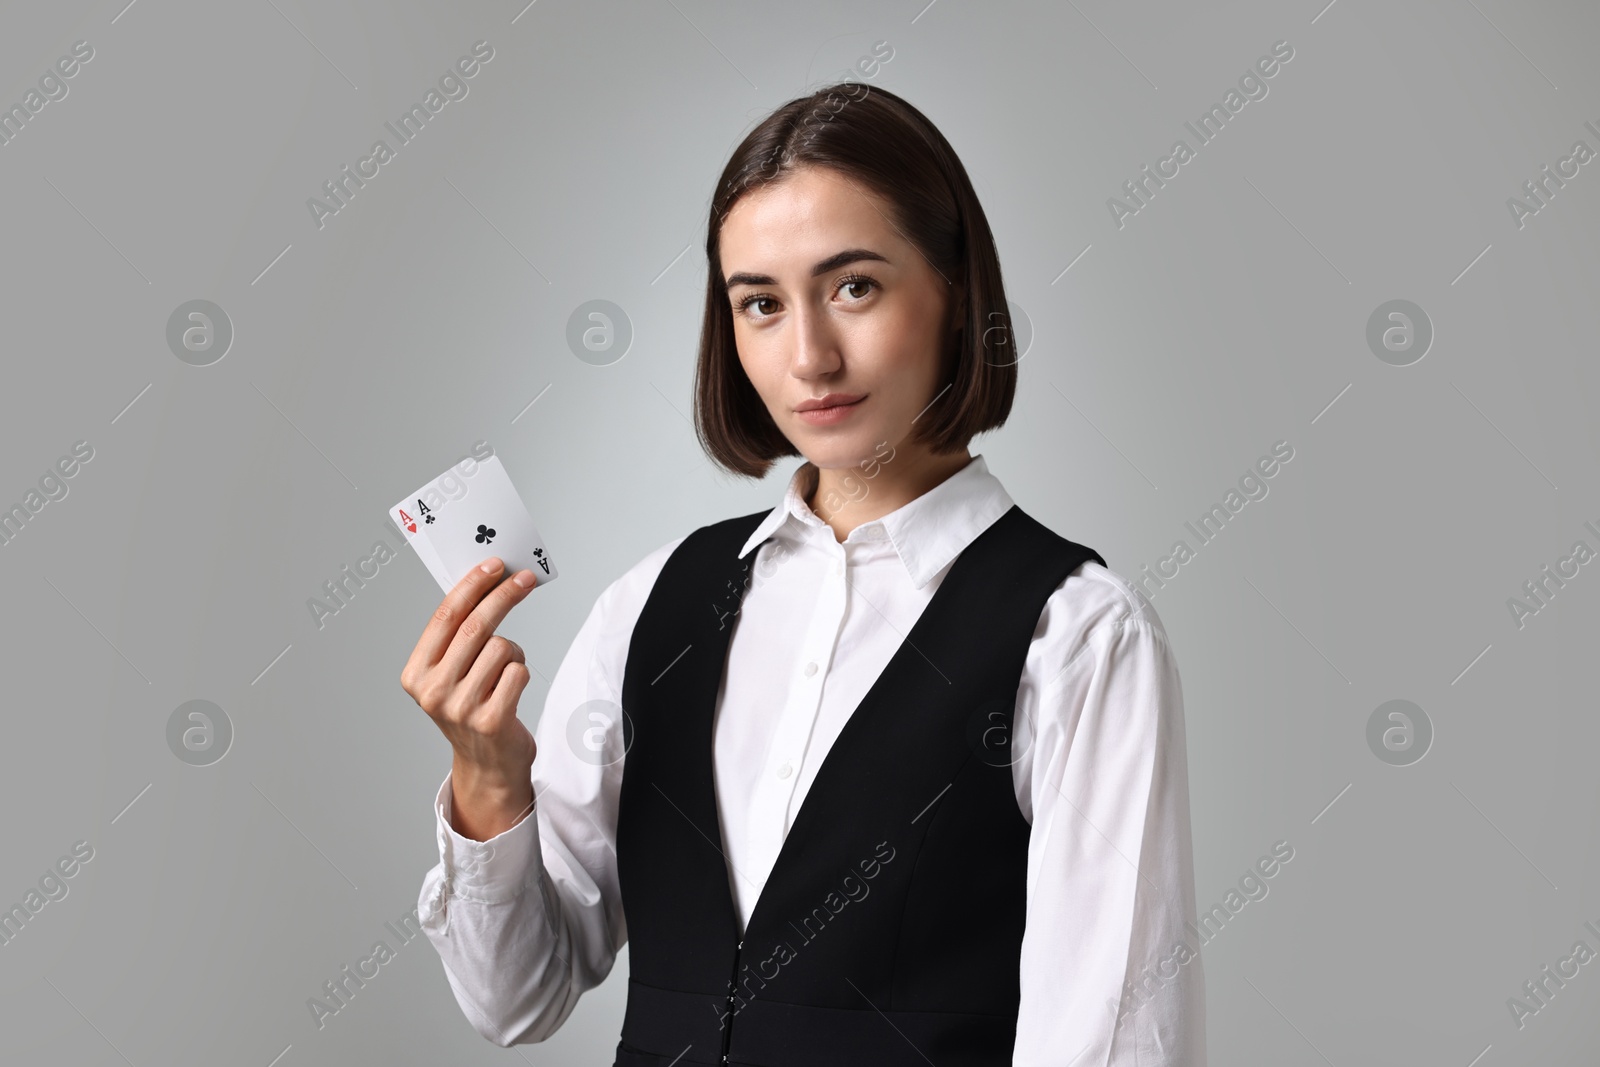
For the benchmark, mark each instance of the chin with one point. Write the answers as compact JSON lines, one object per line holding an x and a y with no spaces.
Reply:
{"x":833,"y":453}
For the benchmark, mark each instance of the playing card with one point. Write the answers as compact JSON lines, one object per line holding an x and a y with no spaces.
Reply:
{"x":412,"y":515}
{"x":469,"y":513}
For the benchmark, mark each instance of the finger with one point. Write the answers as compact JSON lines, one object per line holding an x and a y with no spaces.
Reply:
{"x":480,"y":625}
{"x":508,"y":691}
{"x":447,"y":618}
{"x":485,"y":671}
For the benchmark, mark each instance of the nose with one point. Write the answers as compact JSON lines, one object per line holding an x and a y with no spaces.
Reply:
{"x":816,"y":344}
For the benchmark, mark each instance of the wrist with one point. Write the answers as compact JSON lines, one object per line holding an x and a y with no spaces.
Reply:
{"x":484,"y":805}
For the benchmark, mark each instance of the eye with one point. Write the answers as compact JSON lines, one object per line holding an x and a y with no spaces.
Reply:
{"x":851,"y":281}
{"x":743,"y":303}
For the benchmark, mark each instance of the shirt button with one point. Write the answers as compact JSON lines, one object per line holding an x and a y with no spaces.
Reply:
{"x":811,"y":668}
{"x":838,"y":568}
{"x":785,"y":770}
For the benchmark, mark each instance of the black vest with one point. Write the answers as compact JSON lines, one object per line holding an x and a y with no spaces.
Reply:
{"x":890,"y":929}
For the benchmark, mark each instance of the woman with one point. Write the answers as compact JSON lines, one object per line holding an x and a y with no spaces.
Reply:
{"x":902,"y":774}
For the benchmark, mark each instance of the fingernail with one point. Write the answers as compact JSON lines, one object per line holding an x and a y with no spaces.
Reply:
{"x":490,"y":565}
{"x":524,"y":579}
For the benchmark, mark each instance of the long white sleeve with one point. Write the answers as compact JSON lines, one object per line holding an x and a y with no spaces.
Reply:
{"x":1110,"y":864}
{"x":492,"y":913}
{"x":528,"y":921}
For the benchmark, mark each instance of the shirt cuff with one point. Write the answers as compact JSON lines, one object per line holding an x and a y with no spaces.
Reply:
{"x":492,"y":871}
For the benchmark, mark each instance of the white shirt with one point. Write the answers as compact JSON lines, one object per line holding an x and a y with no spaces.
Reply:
{"x":528,"y":921}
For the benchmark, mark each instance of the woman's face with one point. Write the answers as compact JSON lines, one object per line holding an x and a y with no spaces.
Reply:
{"x":829,"y":298}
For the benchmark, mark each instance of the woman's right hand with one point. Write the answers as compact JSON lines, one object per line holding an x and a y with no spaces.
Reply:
{"x":469,"y":679}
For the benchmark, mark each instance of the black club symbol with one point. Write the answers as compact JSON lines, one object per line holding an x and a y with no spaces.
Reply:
{"x":428,"y":520}
{"x":485,"y":535}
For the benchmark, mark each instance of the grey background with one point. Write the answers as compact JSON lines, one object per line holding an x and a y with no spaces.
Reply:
{"x":1228,"y":314}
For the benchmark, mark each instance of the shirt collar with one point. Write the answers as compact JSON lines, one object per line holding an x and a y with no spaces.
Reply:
{"x":927,"y":532}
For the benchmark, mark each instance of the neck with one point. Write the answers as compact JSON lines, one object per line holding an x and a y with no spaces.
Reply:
{"x":846,"y":497}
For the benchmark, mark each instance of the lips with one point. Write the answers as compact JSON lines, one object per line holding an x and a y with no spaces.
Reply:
{"x":832,"y":400}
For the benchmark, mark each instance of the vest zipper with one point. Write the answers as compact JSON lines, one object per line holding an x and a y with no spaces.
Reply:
{"x":733,"y":986}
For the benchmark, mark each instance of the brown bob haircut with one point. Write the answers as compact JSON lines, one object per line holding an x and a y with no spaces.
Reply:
{"x":880,"y":141}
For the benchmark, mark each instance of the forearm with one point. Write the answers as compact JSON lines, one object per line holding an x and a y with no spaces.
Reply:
{"x":506,"y":934}
{"x":505,"y":963}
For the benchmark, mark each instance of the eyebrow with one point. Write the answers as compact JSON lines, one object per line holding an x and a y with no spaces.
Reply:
{"x":833,"y":262}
